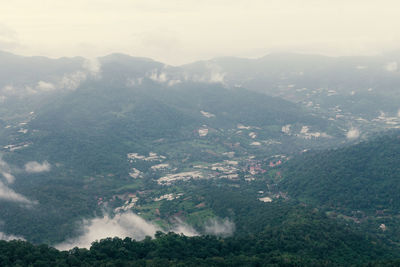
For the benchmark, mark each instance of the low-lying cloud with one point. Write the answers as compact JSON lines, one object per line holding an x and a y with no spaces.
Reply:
{"x":92,"y":66}
{"x":220,"y":227}
{"x":8,"y":194}
{"x":36,"y":167}
{"x":45,"y":86}
{"x":131,"y":225}
{"x":72,"y":81}
{"x":163,"y":78}
{"x":121,"y":225}
{"x":353,"y":133}
{"x":5,"y":171}
{"x":9,"y":177}
{"x":183,"y":228}
{"x":7,"y":237}
{"x":212,"y":73}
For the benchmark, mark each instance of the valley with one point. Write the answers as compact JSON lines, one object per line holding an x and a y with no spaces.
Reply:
{"x":129,"y":147}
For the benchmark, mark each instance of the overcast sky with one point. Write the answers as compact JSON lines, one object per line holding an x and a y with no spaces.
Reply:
{"x":181,"y":31}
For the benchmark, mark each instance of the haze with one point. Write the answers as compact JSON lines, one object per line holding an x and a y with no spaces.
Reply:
{"x":178,"y":32}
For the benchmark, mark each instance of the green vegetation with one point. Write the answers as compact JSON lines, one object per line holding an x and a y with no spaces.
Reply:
{"x":359,"y":183}
{"x":361,"y":177}
{"x":280,"y":234}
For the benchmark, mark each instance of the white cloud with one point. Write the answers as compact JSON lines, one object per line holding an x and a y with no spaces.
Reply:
{"x":353,"y":133}
{"x":10,"y":90}
{"x":6,"y":171}
{"x":161,"y":77}
{"x":45,"y":86}
{"x":158,"y":77}
{"x":183,"y":228}
{"x":131,"y":225}
{"x":216,"y":76}
{"x":71,"y":81}
{"x":92,"y":66}
{"x":221,"y":228}
{"x":8,"y":194}
{"x":121,"y":225}
{"x":7,"y":237}
{"x":391,"y":66}
{"x":398,"y":113}
{"x":212,"y":74}
{"x":9,"y":177}
{"x":36,"y":167}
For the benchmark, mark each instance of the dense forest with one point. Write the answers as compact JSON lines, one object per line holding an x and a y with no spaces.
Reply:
{"x":283,"y":233}
{"x":173,"y":250}
{"x":360,"y":177}
{"x":359,"y":183}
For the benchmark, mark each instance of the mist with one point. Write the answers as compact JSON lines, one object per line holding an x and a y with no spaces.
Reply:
{"x":179,"y":32}
{"x":131,"y":225}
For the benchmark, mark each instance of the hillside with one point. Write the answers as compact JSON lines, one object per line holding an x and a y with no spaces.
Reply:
{"x":281,"y":233}
{"x":361,"y":182}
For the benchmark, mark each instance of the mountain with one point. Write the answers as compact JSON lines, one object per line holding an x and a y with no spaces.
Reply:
{"x":72,"y":148}
{"x":128,"y":146}
{"x":360,"y":90}
{"x":361,"y":182}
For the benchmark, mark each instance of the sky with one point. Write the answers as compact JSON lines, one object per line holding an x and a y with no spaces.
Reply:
{"x":182,"y":31}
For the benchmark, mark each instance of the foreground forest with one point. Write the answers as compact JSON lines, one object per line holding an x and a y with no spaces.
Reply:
{"x":283,"y":233}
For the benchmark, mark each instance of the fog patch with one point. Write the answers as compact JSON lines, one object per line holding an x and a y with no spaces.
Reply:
{"x":353,"y":133}
{"x":6,"y":171}
{"x":36,"y":167}
{"x":7,"y":237}
{"x":158,"y":77}
{"x":181,"y":227}
{"x":92,"y":67}
{"x":71,"y":81}
{"x":9,"y":177}
{"x":8,"y":194}
{"x":213,"y":74}
{"x":162,"y":78}
{"x":121,"y":225}
{"x":131,"y":225}
{"x":220,"y":227}
{"x":45,"y":86}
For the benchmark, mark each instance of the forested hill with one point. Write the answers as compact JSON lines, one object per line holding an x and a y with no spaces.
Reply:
{"x":281,"y":233}
{"x":362,"y":177}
